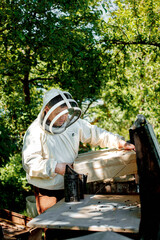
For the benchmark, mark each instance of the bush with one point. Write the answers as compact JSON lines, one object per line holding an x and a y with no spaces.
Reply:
{"x":13,"y":185}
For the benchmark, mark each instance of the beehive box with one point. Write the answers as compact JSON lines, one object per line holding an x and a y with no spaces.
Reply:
{"x":106,"y":164}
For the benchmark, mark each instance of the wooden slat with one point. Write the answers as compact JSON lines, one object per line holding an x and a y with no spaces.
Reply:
{"x":14,"y":217}
{"x":14,"y":226}
{"x":11,"y":230}
{"x":95,"y":213}
{"x":104,"y":164}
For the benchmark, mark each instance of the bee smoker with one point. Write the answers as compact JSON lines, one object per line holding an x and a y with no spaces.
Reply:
{"x":74,"y":185}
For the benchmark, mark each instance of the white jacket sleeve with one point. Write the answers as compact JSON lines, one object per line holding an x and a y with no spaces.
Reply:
{"x":97,"y":136}
{"x":35,"y":161}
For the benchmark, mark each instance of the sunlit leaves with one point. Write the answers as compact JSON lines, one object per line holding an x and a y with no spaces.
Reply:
{"x":130,"y":42}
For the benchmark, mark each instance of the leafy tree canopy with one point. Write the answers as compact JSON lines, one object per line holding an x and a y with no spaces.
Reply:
{"x":130,"y":43}
{"x":106,"y":54}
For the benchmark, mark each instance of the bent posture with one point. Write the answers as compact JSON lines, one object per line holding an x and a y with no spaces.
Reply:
{"x":52,"y":142}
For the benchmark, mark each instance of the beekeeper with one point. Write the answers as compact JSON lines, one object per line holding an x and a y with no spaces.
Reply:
{"x":52,"y":142}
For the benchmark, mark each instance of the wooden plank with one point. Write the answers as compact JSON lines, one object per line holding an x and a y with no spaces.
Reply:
{"x":95,"y":213}
{"x":11,"y":229}
{"x":13,"y":226}
{"x":14,"y":217}
{"x":104,"y":164}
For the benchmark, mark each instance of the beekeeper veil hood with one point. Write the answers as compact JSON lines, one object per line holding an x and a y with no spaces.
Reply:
{"x":59,"y":111}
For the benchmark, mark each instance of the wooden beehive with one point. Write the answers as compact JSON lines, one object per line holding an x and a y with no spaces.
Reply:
{"x":106,"y":164}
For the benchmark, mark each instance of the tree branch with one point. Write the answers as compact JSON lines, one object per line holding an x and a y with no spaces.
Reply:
{"x":41,"y":78}
{"x":118,"y":42}
{"x":87,"y":108}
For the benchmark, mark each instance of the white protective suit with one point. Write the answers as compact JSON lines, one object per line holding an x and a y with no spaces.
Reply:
{"x":42,"y":150}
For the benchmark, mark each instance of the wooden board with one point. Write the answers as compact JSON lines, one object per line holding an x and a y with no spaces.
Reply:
{"x":104,"y":164}
{"x":13,"y":226}
{"x":118,"y":213}
{"x":16,"y":218}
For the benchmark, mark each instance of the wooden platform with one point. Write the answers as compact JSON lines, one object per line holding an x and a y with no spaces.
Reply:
{"x":14,"y":226}
{"x":115,"y":213}
{"x":104,"y":164}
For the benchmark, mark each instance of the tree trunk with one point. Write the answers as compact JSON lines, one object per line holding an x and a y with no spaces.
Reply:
{"x":26,"y":88}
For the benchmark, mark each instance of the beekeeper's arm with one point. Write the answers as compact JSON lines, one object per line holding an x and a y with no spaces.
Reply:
{"x":35,"y":161}
{"x":99,"y":137}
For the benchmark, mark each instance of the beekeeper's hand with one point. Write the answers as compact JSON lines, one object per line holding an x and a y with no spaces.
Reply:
{"x":125,"y":145}
{"x":61,"y":167}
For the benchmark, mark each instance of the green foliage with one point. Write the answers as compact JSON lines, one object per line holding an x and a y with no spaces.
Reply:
{"x":43,"y":44}
{"x":13,"y":185}
{"x":130,"y":42}
{"x":68,"y":45}
{"x":7,"y":144}
{"x":48,"y":43}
